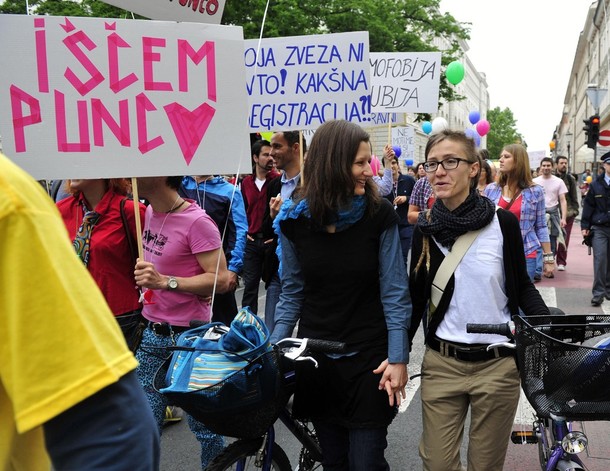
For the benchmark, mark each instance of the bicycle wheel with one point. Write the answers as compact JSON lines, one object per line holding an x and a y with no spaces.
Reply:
{"x":242,"y":455}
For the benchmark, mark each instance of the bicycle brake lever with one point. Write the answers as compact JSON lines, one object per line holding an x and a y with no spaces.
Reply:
{"x":313,"y":360}
{"x":501,"y":344}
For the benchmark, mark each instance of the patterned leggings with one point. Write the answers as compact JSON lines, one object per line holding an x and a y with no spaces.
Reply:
{"x":150,"y":359}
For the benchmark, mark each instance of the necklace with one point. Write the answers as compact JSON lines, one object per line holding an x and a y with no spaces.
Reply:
{"x":167,"y":213}
{"x":175,"y":208}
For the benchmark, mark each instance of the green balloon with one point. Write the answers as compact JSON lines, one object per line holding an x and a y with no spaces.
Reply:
{"x":455,"y":72}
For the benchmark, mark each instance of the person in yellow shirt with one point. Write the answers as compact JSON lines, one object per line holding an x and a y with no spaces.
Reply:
{"x":67,"y":379}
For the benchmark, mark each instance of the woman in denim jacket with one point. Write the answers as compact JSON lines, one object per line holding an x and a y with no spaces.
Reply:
{"x":516,"y":192}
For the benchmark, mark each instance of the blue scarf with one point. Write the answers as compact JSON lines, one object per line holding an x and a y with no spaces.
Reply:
{"x":291,"y":210}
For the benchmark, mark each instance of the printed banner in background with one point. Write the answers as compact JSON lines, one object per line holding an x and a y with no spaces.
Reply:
{"x":299,"y":82}
{"x":405,"y":82}
{"x":194,"y":11}
{"x":100,"y":98}
{"x":404,"y":137}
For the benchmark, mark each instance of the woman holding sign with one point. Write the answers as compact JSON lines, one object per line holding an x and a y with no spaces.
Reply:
{"x":343,"y":279}
{"x":101,"y":223}
{"x":182,"y":267}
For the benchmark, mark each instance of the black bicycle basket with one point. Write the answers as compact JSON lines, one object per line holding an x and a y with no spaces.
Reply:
{"x":564,"y":363}
{"x":243,"y":405}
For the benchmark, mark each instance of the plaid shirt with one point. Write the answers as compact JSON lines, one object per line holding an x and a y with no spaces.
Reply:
{"x":421,"y":193}
{"x":532,"y":220}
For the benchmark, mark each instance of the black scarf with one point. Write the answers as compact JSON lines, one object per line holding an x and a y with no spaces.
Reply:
{"x":446,"y":226}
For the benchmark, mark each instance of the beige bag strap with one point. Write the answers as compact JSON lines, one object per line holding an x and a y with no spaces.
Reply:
{"x":448,"y":266}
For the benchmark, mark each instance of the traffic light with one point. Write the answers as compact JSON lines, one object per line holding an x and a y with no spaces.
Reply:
{"x":591,"y":129}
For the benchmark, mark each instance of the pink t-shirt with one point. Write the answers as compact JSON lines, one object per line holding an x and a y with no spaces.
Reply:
{"x":553,"y":187}
{"x":171,"y":241}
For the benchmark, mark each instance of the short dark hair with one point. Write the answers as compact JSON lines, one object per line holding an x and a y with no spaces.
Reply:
{"x":546,"y":159}
{"x":258,"y":145}
{"x":174,"y":182}
{"x":292,"y":137}
{"x":559,"y":157}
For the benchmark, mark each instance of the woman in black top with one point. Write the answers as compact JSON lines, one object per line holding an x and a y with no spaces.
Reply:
{"x":458,"y":372}
{"x":343,"y":279}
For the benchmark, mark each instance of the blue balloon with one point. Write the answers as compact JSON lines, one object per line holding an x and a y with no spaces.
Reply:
{"x":397,"y":150}
{"x":477,"y":140}
{"x":409,"y":162}
{"x":471,"y":133}
{"x":474,"y":117}
{"x":426,"y":127}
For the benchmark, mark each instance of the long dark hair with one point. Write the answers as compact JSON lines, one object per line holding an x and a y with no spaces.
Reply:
{"x":328,"y":182}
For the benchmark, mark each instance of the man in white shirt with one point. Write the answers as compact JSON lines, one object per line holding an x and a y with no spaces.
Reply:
{"x":555,"y":201}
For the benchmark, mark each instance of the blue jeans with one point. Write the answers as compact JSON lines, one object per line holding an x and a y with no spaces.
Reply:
{"x":355,"y":449}
{"x":150,"y":357}
{"x":539,"y":261}
{"x":274,"y":289}
{"x":532,"y":267}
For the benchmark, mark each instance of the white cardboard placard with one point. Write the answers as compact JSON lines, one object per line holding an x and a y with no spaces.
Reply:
{"x":100,"y":98}
{"x":299,"y":82}
{"x":195,"y":11}
{"x":405,"y":82}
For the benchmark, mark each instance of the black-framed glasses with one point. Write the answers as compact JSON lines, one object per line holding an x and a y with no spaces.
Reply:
{"x":448,"y":164}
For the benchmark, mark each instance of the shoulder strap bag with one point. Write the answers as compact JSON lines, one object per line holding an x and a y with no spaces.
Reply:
{"x":448,"y":266}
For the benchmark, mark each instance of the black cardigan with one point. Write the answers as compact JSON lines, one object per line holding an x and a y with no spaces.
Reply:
{"x":520,"y":290}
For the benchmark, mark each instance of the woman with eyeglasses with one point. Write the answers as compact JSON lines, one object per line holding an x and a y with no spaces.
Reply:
{"x":458,"y":372}
{"x":515,"y":191}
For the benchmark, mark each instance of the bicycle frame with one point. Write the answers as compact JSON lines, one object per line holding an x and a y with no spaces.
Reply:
{"x":264,"y":456}
{"x":558,"y":430}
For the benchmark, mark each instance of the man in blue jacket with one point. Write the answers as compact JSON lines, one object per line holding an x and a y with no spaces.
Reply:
{"x":224,"y":204}
{"x":596,"y":219}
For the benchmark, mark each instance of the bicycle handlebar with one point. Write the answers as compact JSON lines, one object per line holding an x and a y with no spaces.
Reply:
{"x":507,"y":329}
{"x":325,"y":346}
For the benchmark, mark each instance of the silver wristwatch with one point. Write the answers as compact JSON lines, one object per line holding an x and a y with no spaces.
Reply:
{"x":172,"y":283}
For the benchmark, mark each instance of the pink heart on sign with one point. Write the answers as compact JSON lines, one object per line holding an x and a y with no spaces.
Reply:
{"x":189,"y":126}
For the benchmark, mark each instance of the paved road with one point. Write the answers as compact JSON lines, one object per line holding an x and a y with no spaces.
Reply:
{"x":570,"y":290}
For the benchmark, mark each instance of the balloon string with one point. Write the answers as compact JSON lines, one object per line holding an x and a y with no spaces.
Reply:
{"x":260,"y":37}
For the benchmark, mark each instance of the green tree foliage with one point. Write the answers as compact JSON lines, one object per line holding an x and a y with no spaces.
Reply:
{"x":503,"y":131}
{"x":94,"y":8}
{"x":393,"y":25}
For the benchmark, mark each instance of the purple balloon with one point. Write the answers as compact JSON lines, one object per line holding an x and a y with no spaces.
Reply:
{"x":397,"y":150}
{"x":471,"y":133}
{"x":474,"y":117}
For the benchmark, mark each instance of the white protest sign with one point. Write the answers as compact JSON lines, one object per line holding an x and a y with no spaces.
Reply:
{"x":406,"y":82}
{"x":299,"y":82}
{"x":99,"y":98}
{"x":195,"y":11}
{"x":404,"y":137}
{"x":535,"y":156}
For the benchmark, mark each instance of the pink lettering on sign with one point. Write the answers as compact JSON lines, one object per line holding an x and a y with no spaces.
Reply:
{"x":143,"y":104}
{"x":20,"y":121}
{"x":41,"y":56}
{"x":206,"y":51}
{"x":96,"y":76}
{"x":61,"y":128}
{"x":189,"y":126}
{"x":117,"y":84}
{"x":99,"y":114}
{"x":148,"y":44}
